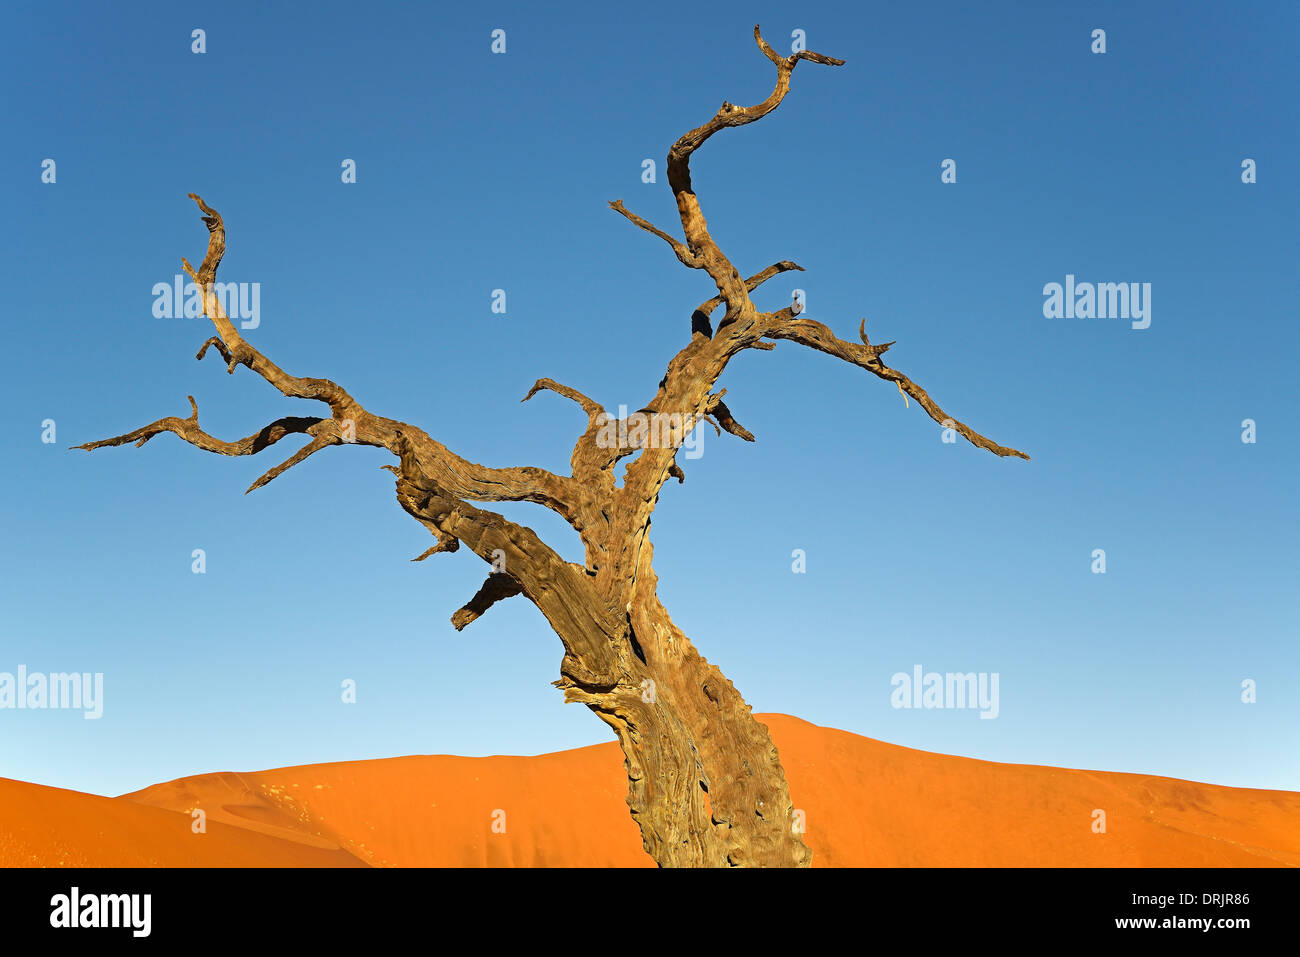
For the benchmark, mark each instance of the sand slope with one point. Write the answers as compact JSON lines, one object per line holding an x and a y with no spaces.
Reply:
{"x":50,"y":827}
{"x":866,"y":803}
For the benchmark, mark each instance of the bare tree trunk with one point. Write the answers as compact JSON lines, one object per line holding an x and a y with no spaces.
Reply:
{"x":747,"y":804}
{"x":705,"y":781}
{"x":706,"y":784}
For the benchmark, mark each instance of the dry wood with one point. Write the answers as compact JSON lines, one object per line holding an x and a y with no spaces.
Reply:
{"x":705,"y":781}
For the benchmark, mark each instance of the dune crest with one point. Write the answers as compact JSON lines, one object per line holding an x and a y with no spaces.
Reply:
{"x":865,"y":802}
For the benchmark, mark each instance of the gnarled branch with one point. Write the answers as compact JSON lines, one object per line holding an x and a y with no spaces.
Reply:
{"x":726,"y":420}
{"x":679,"y":248}
{"x":731,"y":290}
{"x":593,"y":408}
{"x":706,"y":308}
{"x":679,"y":174}
{"x":445,"y":544}
{"x":350,"y":423}
{"x":815,"y":335}
{"x":498,"y":587}
{"x":188,"y":429}
{"x":327,"y":436}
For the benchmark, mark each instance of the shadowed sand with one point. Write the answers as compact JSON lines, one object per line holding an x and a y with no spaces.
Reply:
{"x":866,"y":803}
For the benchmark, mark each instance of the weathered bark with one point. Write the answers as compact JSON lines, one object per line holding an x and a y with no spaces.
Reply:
{"x":706,"y":784}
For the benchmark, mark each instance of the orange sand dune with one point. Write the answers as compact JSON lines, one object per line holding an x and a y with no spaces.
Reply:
{"x":866,"y":803}
{"x":50,"y":827}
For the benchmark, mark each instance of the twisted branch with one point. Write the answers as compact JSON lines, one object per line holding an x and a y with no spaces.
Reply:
{"x":817,"y":336}
{"x":679,"y":249}
{"x":700,"y":318}
{"x":498,"y":587}
{"x":679,"y":173}
{"x":422,"y":458}
{"x":188,"y":429}
{"x":593,"y":408}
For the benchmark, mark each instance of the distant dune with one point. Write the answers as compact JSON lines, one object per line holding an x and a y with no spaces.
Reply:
{"x":866,"y":804}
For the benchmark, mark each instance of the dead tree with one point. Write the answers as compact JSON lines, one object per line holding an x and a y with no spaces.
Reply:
{"x":705,"y":783}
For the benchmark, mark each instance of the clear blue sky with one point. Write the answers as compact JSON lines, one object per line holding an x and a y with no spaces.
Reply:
{"x":478,"y":171}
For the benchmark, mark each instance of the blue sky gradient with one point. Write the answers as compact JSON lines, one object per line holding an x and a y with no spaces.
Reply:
{"x":478,"y":171}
